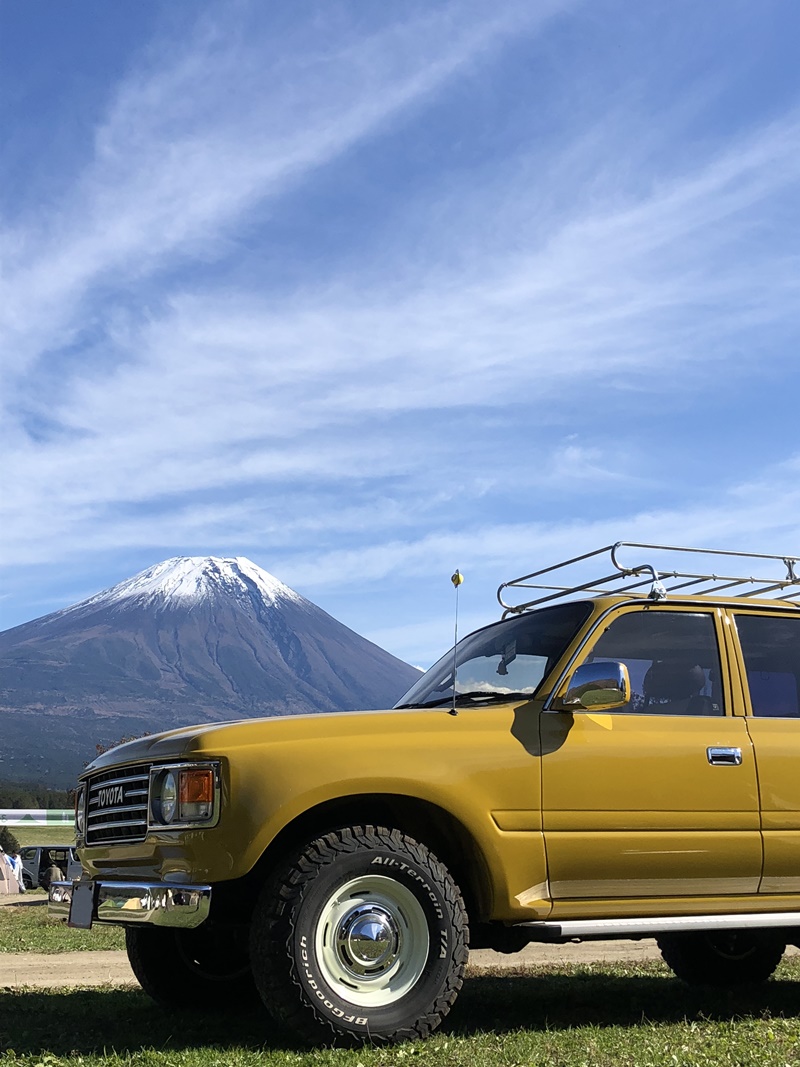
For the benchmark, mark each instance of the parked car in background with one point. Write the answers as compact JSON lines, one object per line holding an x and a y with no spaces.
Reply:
{"x":38,"y":859}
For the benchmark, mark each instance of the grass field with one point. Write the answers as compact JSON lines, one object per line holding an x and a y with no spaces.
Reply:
{"x":44,"y":835}
{"x":590,"y":1016}
{"x":30,"y":929}
{"x":595,"y":1015}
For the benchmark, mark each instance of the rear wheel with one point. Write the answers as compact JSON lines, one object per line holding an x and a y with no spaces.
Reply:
{"x":723,"y":957}
{"x":200,"y":968}
{"x":363,"y":934}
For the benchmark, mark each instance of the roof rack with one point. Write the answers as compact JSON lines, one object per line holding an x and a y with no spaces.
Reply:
{"x":661,"y":581}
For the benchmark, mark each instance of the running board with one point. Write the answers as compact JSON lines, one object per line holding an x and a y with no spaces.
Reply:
{"x":633,"y":928}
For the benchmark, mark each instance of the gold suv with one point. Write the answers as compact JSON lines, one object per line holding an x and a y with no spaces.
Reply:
{"x":616,"y":758}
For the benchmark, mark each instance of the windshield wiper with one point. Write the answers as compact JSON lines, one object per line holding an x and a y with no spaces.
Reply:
{"x":475,"y":696}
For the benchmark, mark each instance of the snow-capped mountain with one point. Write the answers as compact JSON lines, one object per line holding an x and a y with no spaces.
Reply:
{"x":191,"y":639}
{"x":192,"y":579}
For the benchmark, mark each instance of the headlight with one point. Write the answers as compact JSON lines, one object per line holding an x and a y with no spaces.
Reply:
{"x":167,"y":797}
{"x":184,"y":794}
{"x":80,"y":810}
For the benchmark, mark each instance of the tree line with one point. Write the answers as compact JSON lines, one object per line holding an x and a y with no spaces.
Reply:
{"x":29,"y":795}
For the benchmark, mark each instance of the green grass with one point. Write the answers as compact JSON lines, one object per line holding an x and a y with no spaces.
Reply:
{"x":28,"y":928}
{"x":43,"y":835}
{"x":572,"y":1016}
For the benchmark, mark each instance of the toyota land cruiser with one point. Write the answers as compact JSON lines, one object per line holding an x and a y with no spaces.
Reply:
{"x":616,"y":757}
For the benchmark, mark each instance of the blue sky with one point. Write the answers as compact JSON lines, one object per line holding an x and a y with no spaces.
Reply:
{"x":366,"y":292}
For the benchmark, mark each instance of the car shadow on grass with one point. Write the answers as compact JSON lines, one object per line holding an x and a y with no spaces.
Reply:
{"x":86,"y":1021}
{"x":509,"y":1002}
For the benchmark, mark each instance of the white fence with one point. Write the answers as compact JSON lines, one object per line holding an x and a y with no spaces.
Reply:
{"x":36,"y":817}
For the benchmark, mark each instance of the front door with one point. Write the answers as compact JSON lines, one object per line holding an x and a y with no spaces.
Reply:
{"x":656,"y":800}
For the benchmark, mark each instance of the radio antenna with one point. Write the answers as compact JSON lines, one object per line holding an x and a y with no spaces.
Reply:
{"x":457,"y":579}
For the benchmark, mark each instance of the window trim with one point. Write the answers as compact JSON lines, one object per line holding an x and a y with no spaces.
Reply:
{"x":741,"y":664}
{"x":717,"y":614}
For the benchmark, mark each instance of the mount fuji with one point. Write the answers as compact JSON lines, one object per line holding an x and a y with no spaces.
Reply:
{"x":193,"y":639}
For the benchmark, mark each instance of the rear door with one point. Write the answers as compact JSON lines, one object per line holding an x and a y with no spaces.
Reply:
{"x":769,"y":660}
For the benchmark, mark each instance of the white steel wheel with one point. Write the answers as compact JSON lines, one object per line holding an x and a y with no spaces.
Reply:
{"x":372,"y":941}
{"x":360,"y":937}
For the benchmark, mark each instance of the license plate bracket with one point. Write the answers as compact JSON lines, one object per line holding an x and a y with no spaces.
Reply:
{"x":81,"y":908}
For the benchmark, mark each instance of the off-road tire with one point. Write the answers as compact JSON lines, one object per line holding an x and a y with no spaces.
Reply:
{"x":723,"y":957}
{"x":190,"y":969}
{"x":361,"y":937}
{"x":27,"y":881}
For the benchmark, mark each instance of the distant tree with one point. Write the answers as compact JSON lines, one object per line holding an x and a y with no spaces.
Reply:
{"x":8,"y":841}
{"x":28,"y":795}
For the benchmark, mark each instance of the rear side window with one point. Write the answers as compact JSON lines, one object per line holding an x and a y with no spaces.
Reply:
{"x":771,"y":649}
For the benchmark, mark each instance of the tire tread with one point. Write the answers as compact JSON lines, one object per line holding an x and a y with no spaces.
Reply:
{"x":272,"y":937}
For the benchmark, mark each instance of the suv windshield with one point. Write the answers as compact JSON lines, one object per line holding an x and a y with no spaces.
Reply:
{"x":500,"y":662}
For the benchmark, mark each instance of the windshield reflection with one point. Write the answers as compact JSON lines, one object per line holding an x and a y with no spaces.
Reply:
{"x":505,"y":661}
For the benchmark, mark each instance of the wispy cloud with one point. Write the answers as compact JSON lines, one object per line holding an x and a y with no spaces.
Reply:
{"x":212,"y":126}
{"x":477,"y":377}
{"x":218,"y":392}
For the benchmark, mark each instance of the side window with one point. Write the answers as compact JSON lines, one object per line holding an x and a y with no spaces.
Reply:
{"x":672,"y":658}
{"x":771,"y":648}
{"x":27,"y":853}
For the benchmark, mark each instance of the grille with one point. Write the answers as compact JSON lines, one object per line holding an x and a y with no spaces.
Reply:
{"x":116,"y":805}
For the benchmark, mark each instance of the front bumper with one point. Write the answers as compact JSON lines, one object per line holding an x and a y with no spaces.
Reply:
{"x":129,"y":903}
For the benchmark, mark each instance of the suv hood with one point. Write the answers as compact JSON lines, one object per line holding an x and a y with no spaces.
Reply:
{"x":205,"y":740}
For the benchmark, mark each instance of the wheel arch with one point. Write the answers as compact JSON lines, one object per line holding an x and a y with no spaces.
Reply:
{"x":431,"y":825}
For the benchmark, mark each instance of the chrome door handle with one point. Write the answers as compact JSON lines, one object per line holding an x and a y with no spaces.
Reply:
{"x":724,"y":757}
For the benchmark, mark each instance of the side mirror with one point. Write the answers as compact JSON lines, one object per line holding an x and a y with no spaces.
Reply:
{"x":598,"y":686}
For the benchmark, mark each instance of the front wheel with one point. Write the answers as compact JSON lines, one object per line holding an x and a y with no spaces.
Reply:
{"x":364,"y":933}
{"x":723,"y":957}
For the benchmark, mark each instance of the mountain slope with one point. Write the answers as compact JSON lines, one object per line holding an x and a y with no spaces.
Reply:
{"x":192,"y":639}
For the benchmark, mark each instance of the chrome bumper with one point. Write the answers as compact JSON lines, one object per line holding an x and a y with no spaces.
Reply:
{"x":126,"y":903}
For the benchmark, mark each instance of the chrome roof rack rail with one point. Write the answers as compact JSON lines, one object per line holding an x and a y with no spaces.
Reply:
{"x":655,"y":583}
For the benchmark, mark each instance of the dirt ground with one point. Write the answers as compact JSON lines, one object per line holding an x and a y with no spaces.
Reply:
{"x":74,"y":969}
{"x":42,"y":971}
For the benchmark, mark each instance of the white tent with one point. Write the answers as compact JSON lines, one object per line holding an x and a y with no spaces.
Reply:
{"x":8,"y":880}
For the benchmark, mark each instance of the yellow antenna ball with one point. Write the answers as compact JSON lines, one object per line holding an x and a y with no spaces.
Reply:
{"x":457,"y":579}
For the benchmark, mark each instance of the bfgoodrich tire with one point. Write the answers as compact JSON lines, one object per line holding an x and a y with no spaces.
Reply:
{"x":723,"y":957}
{"x":191,"y":969}
{"x":361,"y":937}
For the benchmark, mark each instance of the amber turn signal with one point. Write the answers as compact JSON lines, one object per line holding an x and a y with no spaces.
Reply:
{"x":196,"y":786}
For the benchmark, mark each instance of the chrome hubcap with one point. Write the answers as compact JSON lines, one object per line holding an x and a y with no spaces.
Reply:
{"x":368,"y":940}
{"x":371,"y":942}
